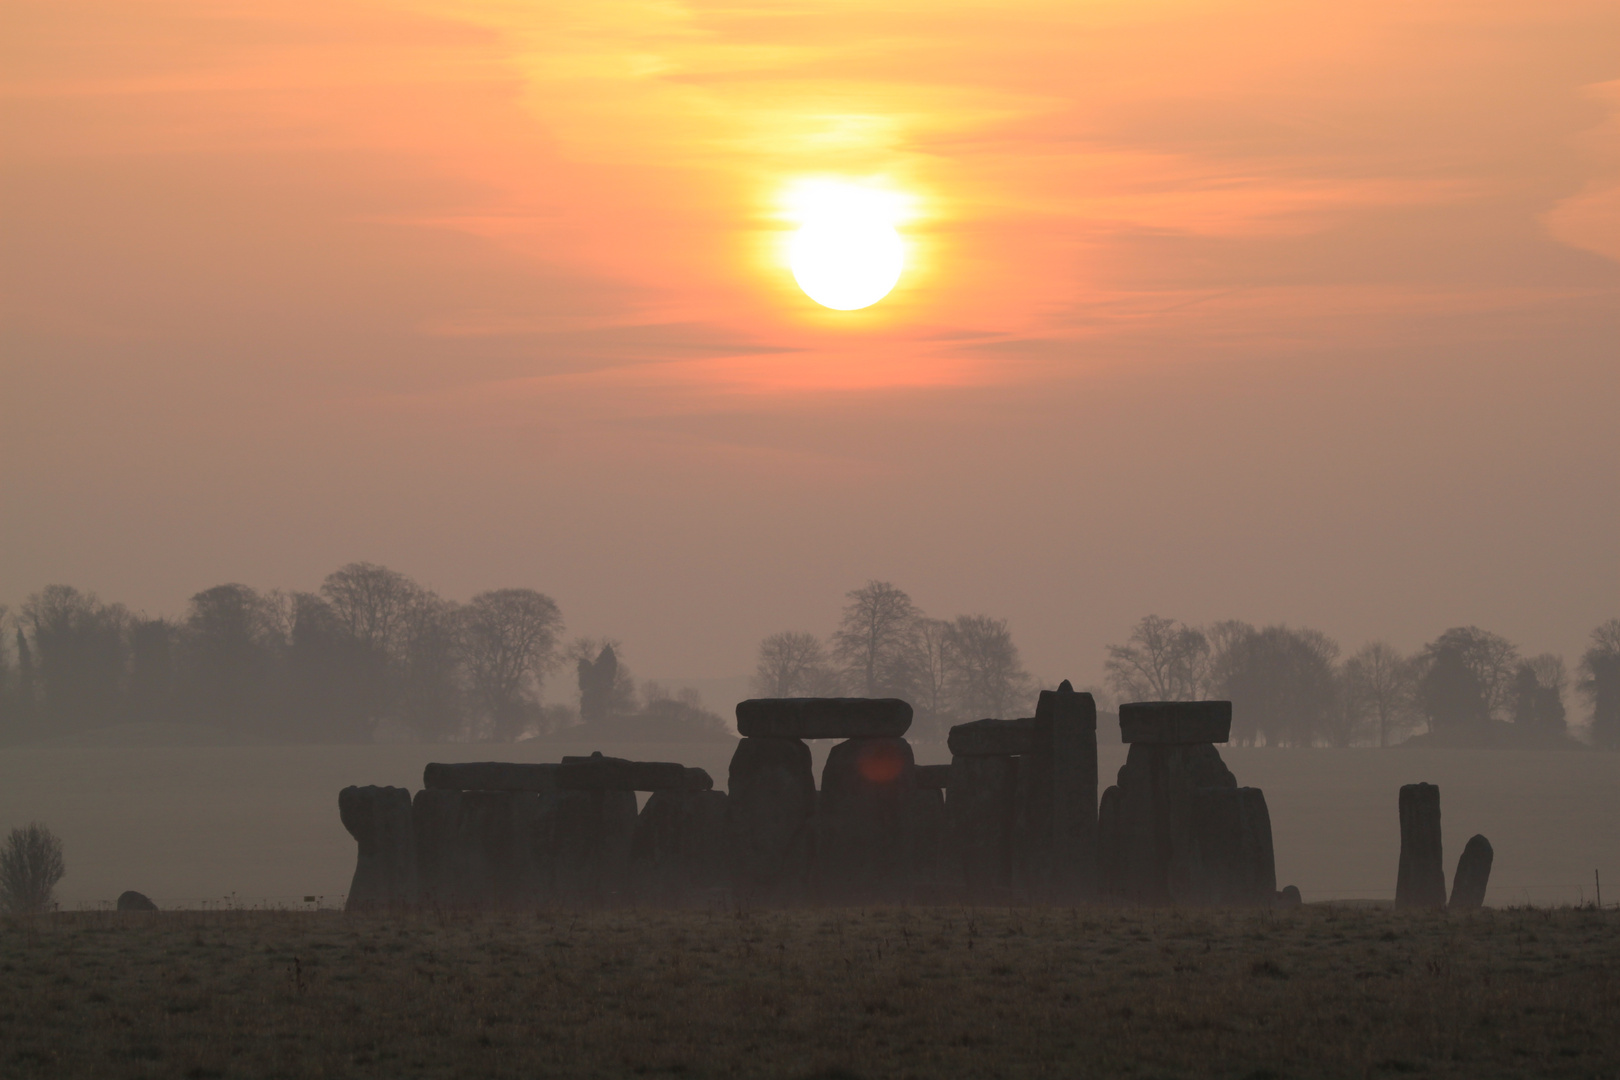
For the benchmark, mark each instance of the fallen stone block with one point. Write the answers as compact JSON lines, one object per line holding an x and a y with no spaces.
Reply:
{"x":379,"y":818}
{"x":1170,"y":722}
{"x":1421,"y":879}
{"x":489,"y":776}
{"x":823,"y":718}
{"x":1473,"y":874}
{"x":1288,"y":897}
{"x":130,"y":900}
{"x":993,"y":738}
{"x":598,"y":773}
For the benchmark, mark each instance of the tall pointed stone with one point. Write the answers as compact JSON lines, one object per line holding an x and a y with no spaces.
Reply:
{"x":1421,"y":879}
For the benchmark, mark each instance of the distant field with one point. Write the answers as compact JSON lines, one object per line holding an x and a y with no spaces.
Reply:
{"x":922,"y":993}
{"x":192,"y":824}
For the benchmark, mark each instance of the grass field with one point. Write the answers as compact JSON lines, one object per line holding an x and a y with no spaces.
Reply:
{"x":1314,"y":992}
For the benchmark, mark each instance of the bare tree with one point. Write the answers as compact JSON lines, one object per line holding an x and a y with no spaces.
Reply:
{"x":1379,"y":688}
{"x":373,"y":603}
{"x":987,"y":677}
{"x":509,"y":641}
{"x":1600,"y":683}
{"x":875,"y":636}
{"x":30,"y":866}
{"x":791,"y":664}
{"x":1490,"y":659}
{"x":928,"y":681}
{"x":1283,"y":687}
{"x":1538,"y":693}
{"x":1162,"y":660}
{"x":79,"y":651}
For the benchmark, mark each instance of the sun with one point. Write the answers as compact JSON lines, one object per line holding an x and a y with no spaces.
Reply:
{"x":846,"y":254}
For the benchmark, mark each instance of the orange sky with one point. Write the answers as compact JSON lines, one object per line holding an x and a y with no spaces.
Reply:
{"x":1272,"y":311}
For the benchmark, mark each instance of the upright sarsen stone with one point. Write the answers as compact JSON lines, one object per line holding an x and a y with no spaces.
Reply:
{"x":379,"y":818}
{"x":1421,"y":879}
{"x":1473,"y":874}
{"x":861,"y":850}
{"x":678,"y":851}
{"x":1066,"y":723}
{"x":1233,"y":864}
{"x":771,"y":804}
{"x":1156,"y":853}
{"x":980,"y":810}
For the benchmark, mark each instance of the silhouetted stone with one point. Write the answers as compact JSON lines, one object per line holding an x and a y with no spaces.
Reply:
{"x":1232,"y":864}
{"x":678,"y":852}
{"x":1166,"y":722}
{"x":598,"y":773}
{"x":924,"y":835}
{"x":1155,"y":857}
{"x":490,"y":776}
{"x":980,"y":809}
{"x":1473,"y":874}
{"x":1288,"y":897}
{"x":591,"y":836}
{"x":861,"y":853}
{"x":823,"y":718}
{"x":993,"y":738}
{"x":131,"y":900}
{"x":379,"y":818}
{"x":1421,"y":880}
{"x":1066,"y":722}
{"x":1110,"y":847}
{"x":484,"y":849}
{"x":935,"y":777}
{"x":772,"y":802}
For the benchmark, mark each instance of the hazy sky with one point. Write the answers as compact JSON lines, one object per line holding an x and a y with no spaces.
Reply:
{"x":1275,"y":311}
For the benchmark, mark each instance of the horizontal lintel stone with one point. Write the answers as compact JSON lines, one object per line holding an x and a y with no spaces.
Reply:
{"x":1175,"y":722}
{"x":598,"y":773}
{"x":993,"y":738}
{"x":823,"y":718}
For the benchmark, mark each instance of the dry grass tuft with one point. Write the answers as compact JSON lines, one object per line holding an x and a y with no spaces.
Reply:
{"x":875,"y":993}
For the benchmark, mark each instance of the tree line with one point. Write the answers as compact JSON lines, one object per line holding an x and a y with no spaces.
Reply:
{"x":370,"y":654}
{"x":1289,"y":686}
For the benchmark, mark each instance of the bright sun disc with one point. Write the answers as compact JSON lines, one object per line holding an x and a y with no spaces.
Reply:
{"x":846,"y":254}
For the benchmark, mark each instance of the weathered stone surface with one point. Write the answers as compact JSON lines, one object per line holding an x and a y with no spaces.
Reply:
{"x":484,"y":849}
{"x":379,"y":818}
{"x":1232,"y":863}
{"x":980,"y":808}
{"x":1110,"y":848}
{"x":1421,"y":879}
{"x":1156,"y":858}
{"x":993,"y":738}
{"x":1068,"y":722}
{"x":1473,"y":874}
{"x":1166,"y":722}
{"x":678,"y":851}
{"x":1288,"y":897}
{"x":823,"y":718}
{"x":936,"y":777}
{"x":924,"y":836}
{"x":861,"y":850}
{"x":130,"y":900}
{"x":489,"y":776}
{"x":598,"y":773}
{"x":768,"y":819}
{"x":591,"y":837}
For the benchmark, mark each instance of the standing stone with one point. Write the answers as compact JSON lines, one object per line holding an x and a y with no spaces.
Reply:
{"x":924,"y":838}
{"x":769,"y":820}
{"x":1233,"y":864}
{"x":980,"y":808}
{"x":591,"y":837}
{"x":379,"y":818}
{"x":1421,"y":880}
{"x":1067,"y":724}
{"x":678,"y":851}
{"x":866,"y":787}
{"x":823,"y":718}
{"x":1110,"y":848}
{"x":436,"y":818}
{"x":1154,"y":830}
{"x":1473,"y":874}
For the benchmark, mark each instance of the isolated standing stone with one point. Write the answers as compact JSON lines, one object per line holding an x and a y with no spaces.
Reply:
{"x":769,"y":813}
{"x":980,"y":808}
{"x":379,"y":818}
{"x":861,"y":855}
{"x":1473,"y":874}
{"x":823,"y":718}
{"x":131,"y":900}
{"x":1421,"y":880}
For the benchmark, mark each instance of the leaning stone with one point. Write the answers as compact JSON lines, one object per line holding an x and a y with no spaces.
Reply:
{"x":823,"y":718}
{"x":598,"y":773}
{"x":993,"y":738}
{"x":489,"y":776}
{"x":980,"y":808}
{"x":1473,"y":874}
{"x":134,"y":901}
{"x":1175,"y":722}
{"x":861,"y":855}
{"x":934,"y":777}
{"x":1421,"y":879}
{"x":379,"y":818}
{"x":768,"y":820}
{"x":1232,"y":864}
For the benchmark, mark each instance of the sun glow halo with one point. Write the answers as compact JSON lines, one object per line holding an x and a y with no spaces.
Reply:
{"x":847,"y":254}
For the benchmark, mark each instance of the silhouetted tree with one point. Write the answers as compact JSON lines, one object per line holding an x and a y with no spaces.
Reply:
{"x":874,"y":638}
{"x":793,"y":664}
{"x":328,"y":676}
{"x":1600,"y":683}
{"x":232,"y":646}
{"x":152,"y":675}
{"x":928,"y":677}
{"x":373,"y":604}
{"x":1162,"y":660}
{"x":1283,"y":687}
{"x":1490,"y":658}
{"x":432,"y":696}
{"x":1380,"y":689}
{"x":987,"y":679}
{"x":509,"y":640}
{"x":79,"y":652}
{"x":1450,"y":694}
{"x":30,"y":866}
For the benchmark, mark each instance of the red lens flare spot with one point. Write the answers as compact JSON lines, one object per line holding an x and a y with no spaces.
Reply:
{"x":880,"y":764}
